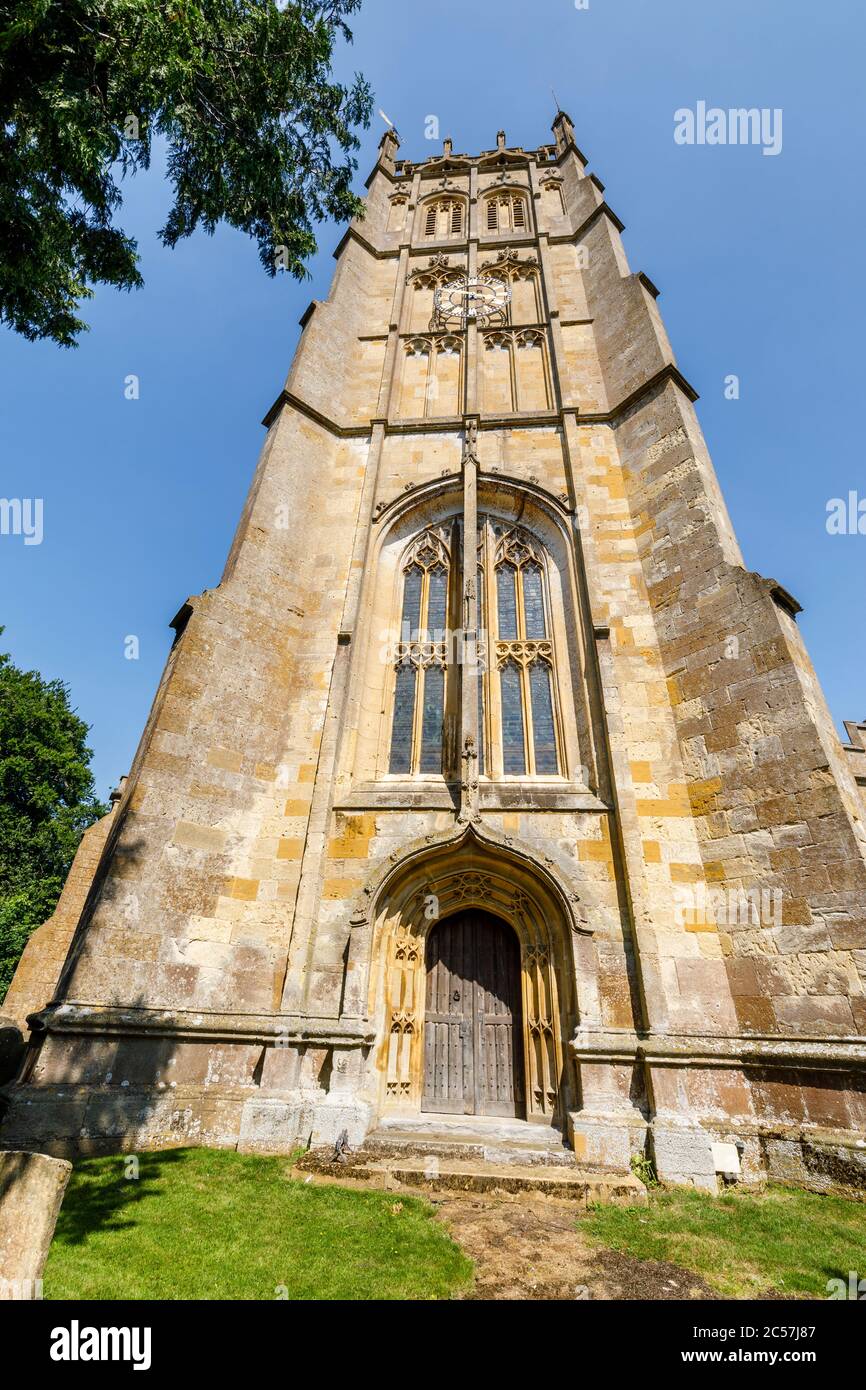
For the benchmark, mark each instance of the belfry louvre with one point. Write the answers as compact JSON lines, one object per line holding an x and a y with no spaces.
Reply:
{"x":488,"y":781}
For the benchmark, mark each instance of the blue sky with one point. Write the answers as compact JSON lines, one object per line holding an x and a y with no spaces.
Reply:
{"x":757,"y":259}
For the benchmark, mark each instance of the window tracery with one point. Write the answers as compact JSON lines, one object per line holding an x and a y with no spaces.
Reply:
{"x":516,"y":375}
{"x":421,"y":659}
{"x":505,"y":212}
{"x":443,"y":218}
{"x":519,"y":720}
{"x":432,"y":376}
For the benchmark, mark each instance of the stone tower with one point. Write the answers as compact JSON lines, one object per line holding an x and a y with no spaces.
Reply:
{"x":487,"y":782}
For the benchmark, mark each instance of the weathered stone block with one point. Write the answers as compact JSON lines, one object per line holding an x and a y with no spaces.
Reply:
{"x":31,"y":1192}
{"x":274,"y":1126}
{"x":683,"y":1156}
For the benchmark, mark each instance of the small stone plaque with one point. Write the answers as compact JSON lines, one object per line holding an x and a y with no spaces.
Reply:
{"x":726,"y":1159}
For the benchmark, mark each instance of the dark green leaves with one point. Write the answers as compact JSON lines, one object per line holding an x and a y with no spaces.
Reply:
{"x":257,"y":135}
{"x":47,"y":801}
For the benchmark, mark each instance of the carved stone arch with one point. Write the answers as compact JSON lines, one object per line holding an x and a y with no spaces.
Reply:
{"x":422,"y":497}
{"x":398,"y":206}
{"x":448,"y":164}
{"x":508,"y":193}
{"x":552,"y":190}
{"x":475,"y":867}
{"x":417,"y":345}
{"x":513,"y":501}
{"x":364,"y":756}
{"x":430,"y":386}
{"x":528,"y":492}
{"x":424,"y":281}
{"x":517,"y":546}
{"x":510,"y":263}
{"x":525,"y":336}
{"x":516,"y":389}
{"x":501,"y":158}
{"x":534,"y":390}
{"x":530,"y":507}
{"x":438,"y":270}
{"x":431,"y":279}
{"x":497,"y":337}
{"x":522,"y":491}
{"x":426,"y":510}
{"x":448,"y":342}
{"x":521,"y":501}
{"x":442,"y":197}
{"x":428,"y":549}
{"x":523,"y":279}
{"x":435,"y":194}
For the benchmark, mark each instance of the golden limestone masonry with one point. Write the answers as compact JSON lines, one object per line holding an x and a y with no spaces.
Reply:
{"x":488,"y":782}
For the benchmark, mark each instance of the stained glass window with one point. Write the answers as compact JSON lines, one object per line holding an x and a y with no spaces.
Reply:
{"x":533,"y":601}
{"x":431,"y":720}
{"x":403,"y":721}
{"x":411,"y":622}
{"x":506,"y":601}
{"x":524,"y":656}
{"x":417,"y":721}
{"x":437,"y":604}
{"x":518,"y":717}
{"x":543,"y":730}
{"x":513,"y":743}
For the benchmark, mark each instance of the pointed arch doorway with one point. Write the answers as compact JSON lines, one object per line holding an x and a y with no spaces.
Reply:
{"x":473,"y":1028}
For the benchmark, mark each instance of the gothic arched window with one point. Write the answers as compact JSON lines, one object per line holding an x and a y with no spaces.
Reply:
{"x":506,"y":212}
{"x":552,"y":199}
{"x":397,"y":212}
{"x":521,"y":279}
{"x":443,"y":218}
{"x":515,"y":371}
{"x":525,"y":305}
{"x":432,"y":381}
{"x":519,"y":721}
{"x":421,"y":659}
{"x":521,"y":724}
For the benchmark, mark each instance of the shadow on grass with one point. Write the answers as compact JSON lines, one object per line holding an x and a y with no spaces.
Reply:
{"x":103,"y":1193}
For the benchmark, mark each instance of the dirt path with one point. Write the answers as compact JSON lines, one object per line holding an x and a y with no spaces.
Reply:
{"x":527,"y":1248}
{"x":524,"y":1247}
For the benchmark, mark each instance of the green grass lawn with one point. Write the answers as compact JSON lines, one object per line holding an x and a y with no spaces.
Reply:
{"x":209,"y":1223}
{"x":742,"y":1244}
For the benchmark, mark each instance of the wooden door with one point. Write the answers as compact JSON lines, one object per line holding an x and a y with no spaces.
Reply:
{"x":473,"y":1051}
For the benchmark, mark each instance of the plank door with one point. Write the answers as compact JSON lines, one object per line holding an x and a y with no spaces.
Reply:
{"x":472,"y":1035}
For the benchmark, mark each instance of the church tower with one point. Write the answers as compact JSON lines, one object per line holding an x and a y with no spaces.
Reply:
{"x":488,"y":782}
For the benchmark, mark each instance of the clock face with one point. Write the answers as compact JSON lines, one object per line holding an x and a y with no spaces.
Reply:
{"x":477,"y":299}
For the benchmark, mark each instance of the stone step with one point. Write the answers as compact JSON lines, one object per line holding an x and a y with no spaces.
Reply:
{"x":462,"y":1175}
{"x":393,"y":1148}
{"x":499,"y":1141}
